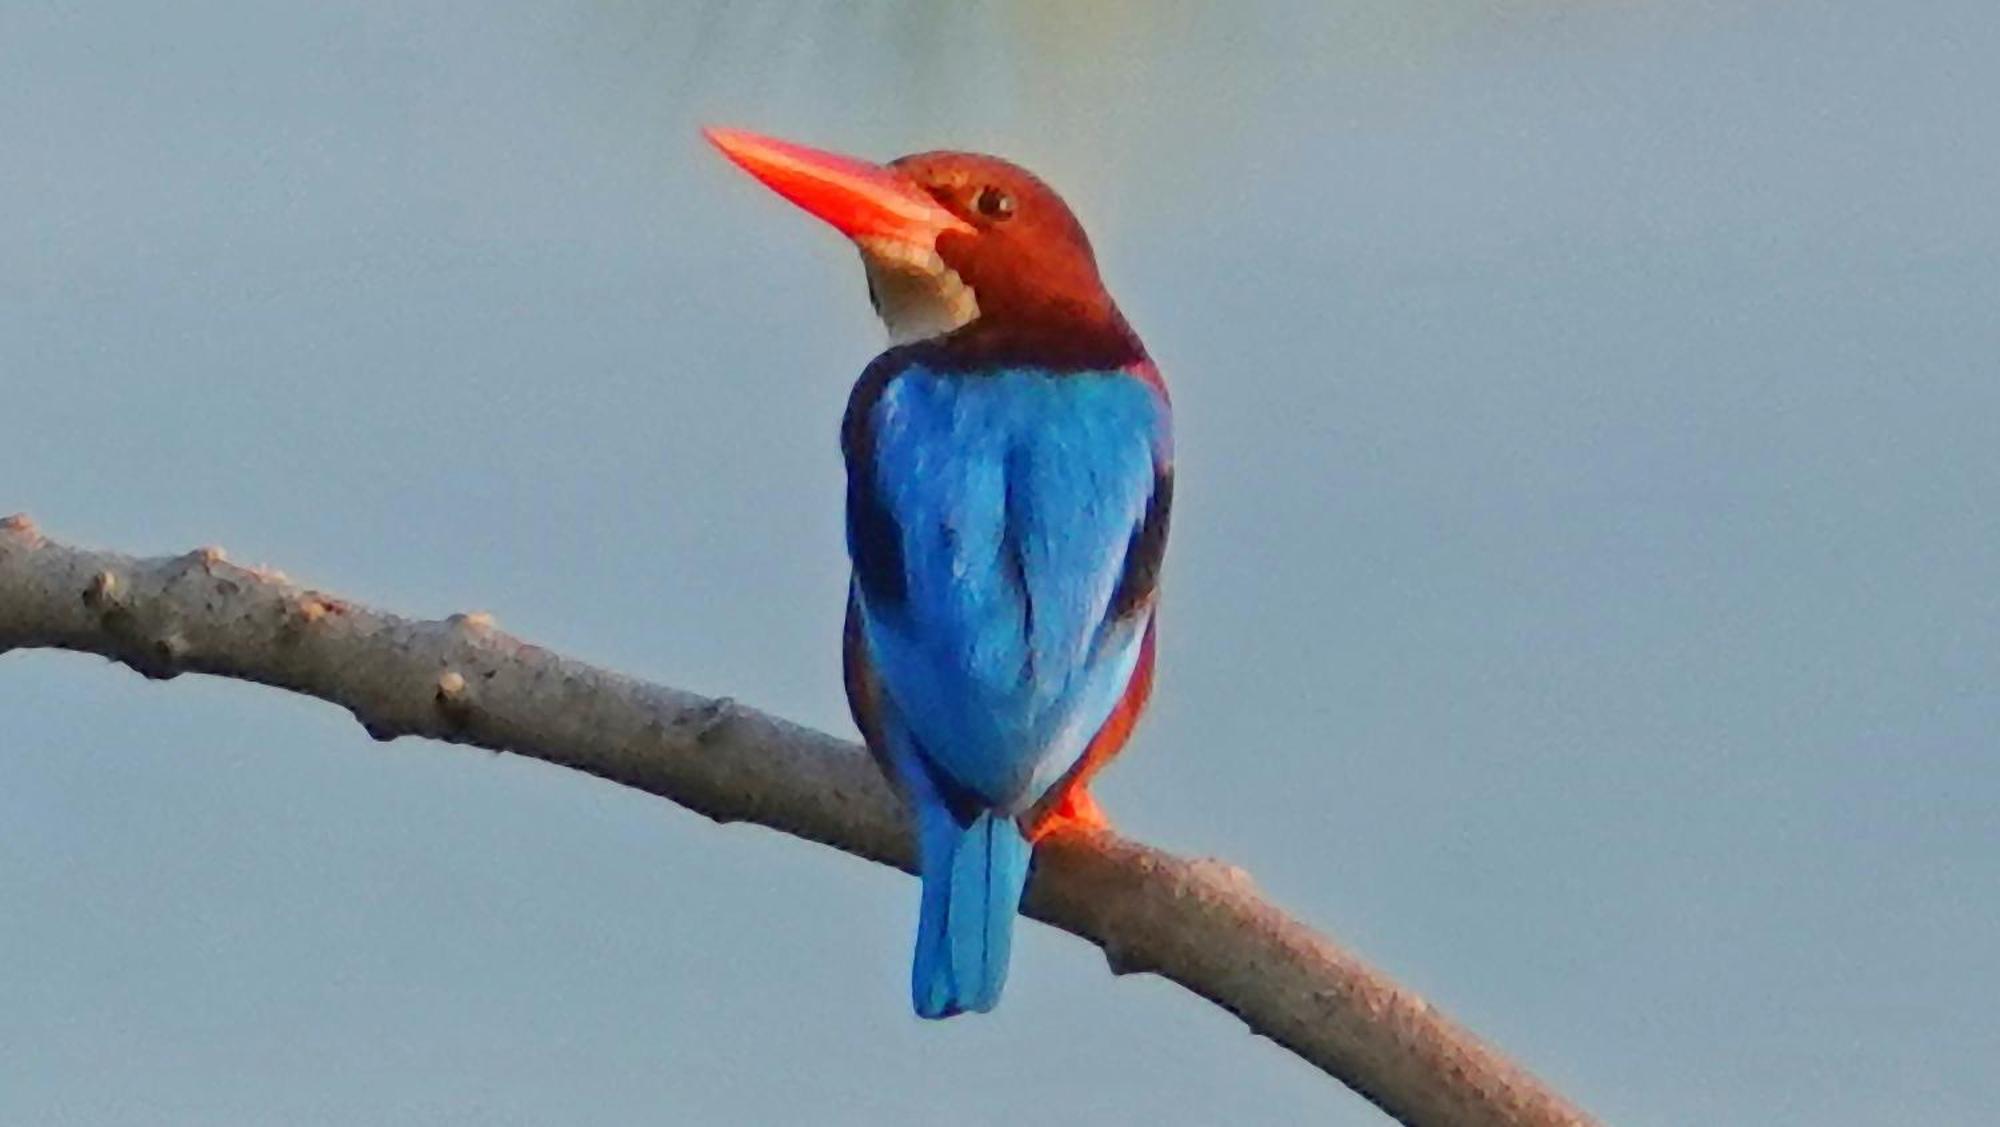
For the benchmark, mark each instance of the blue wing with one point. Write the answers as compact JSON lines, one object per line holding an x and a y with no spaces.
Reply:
{"x":990,"y":515}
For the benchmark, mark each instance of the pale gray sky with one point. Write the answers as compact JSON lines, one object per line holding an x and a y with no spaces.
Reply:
{"x":1582,"y":597}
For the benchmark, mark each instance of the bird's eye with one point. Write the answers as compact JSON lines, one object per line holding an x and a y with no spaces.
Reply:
{"x":993,"y":203}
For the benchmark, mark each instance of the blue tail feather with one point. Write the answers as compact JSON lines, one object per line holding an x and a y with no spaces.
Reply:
{"x":973,"y":876}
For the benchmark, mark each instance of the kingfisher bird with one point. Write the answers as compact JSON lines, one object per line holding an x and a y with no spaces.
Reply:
{"x":1009,"y":476}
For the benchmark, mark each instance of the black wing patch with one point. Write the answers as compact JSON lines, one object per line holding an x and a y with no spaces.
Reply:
{"x":875,"y":541}
{"x":874,"y":538}
{"x":1147,"y":548}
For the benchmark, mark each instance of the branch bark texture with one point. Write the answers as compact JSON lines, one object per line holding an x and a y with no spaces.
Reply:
{"x":1198,"y":922}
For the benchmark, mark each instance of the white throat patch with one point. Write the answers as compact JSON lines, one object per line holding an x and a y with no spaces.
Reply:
{"x":915,"y":293}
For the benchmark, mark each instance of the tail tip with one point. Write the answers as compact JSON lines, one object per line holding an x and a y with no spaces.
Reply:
{"x":936,"y":1000}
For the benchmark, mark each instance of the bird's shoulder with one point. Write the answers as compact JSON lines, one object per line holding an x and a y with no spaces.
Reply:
{"x":943,"y":361}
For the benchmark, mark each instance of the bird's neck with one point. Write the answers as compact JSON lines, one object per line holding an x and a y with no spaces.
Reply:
{"x":922,"y":301}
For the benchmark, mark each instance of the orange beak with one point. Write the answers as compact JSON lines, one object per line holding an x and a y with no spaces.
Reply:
{"x":861,"y":199}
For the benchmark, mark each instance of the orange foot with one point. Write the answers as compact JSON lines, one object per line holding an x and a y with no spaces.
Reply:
{"x":1075,"y":812}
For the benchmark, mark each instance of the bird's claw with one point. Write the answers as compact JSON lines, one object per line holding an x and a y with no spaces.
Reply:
{"x":1075,"y":812}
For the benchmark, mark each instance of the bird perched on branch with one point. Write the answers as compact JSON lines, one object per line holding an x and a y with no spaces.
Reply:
{"x":1009,"y":474}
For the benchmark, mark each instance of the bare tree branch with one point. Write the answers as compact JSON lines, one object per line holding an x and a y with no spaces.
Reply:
{"x":1198,"y":922}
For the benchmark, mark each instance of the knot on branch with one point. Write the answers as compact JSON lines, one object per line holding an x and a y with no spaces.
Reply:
{"x":163,"y":658}
{"x":702,"y":724}
{"x":1123,"y":960}
{"x":101,"y":594}
{"x":204,"y":558}
{"x":472,"y":622}
{"x":454,"y":698}
{"x":21,"y":529}
{"x":159,"y":654}
{"x":311,"y":608}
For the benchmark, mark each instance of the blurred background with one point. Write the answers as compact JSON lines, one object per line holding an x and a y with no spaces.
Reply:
{"x":1583,"y":594}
